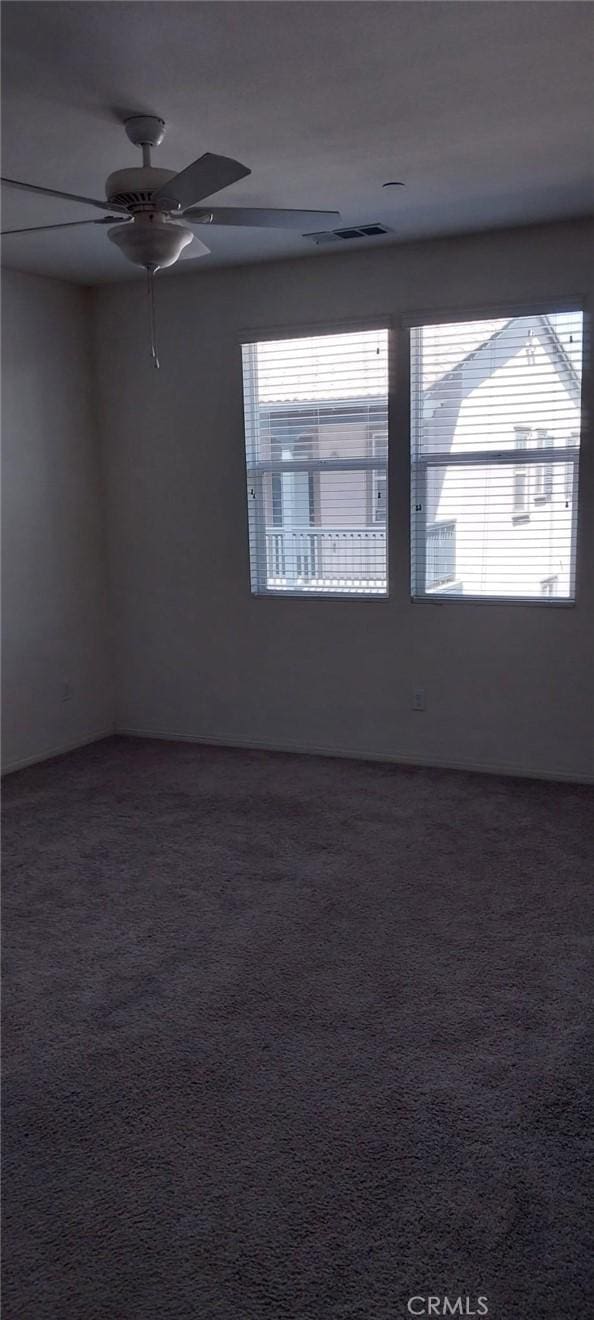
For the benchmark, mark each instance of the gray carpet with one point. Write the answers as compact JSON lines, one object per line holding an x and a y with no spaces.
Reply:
{"x":292,"y":1037}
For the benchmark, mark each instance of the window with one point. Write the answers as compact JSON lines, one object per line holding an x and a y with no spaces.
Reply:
{"x":520,"y":492}
{"x":316,"y":433}
{"x":495,"y":409}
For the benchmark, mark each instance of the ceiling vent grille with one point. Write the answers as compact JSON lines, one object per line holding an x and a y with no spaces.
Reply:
{"x":324,"y":236}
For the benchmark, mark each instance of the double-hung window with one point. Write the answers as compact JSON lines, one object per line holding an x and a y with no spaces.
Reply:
{"x":316,"y":430}
{"x":495,"y":433}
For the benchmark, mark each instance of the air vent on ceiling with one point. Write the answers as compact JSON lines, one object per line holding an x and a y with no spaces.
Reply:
{"x":343,"y":235}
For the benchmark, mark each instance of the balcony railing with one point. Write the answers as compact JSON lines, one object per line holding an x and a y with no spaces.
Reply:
{"x":441,"y":553}
{"x":326,"y":559}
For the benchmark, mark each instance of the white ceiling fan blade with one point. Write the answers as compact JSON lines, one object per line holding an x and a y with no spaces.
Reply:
{"x":205,"y":176}
{"x":260,"y":217}
{"x":67,"y":224}
{"x":68,"y":197}
{"x":194,"y":249}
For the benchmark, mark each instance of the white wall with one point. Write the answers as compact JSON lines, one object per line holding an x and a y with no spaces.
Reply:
{"x":55,"y":620}
{"x":507,"y":686}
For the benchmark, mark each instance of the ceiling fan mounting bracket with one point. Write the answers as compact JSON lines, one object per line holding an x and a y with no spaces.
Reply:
{"x":145,"y":130}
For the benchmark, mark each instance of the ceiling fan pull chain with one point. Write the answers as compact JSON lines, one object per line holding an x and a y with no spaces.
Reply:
{"x":150,"y":276}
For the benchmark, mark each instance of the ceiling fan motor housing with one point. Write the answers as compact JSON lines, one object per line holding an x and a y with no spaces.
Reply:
{"x":134,"y":188}
{"x":152,"y":241}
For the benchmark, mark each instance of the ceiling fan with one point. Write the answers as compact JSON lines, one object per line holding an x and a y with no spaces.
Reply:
{"x":150,"y":207}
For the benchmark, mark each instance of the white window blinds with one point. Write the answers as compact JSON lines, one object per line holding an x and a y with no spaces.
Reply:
{"x":316,"y":433}
{"x":495,"y":443}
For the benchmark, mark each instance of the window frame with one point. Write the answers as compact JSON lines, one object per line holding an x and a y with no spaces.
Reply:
{"x":512,"y":458}
{"x":315,"y":467}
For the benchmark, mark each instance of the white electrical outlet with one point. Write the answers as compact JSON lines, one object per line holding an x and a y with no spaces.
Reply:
{"x":418,"y":701}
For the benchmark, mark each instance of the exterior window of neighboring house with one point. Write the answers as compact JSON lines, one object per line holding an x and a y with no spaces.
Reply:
{"x":543,"y":473}
{"x":520,"y":477}
{"x":282,"y":488}
{"x":571,"y":471}
{"x":277,"y":500}
{"x":379,"y":485}
{"x":520,"y":491}
{"x":495,"y":436}
{"x":316,"y":434}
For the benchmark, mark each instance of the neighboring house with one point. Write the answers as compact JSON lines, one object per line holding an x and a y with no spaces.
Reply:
{"x":325,"y":527}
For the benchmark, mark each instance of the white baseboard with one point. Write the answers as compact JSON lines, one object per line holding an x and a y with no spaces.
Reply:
{"x":46,"y":754}
{"x":362,"y":754}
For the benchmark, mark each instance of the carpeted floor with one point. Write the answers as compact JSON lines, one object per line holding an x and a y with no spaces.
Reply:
{"x":288,"y":1037}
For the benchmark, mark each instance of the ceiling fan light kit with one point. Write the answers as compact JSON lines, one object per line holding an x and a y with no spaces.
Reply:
{"x":153,"y":240}
{"x":151,"y":205}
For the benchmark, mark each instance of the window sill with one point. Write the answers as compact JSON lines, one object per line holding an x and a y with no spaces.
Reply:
{"x":446,"y":598}
{"x":367,"y":598}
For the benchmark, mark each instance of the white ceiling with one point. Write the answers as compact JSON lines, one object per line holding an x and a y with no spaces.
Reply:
{"x":485,"y":110}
